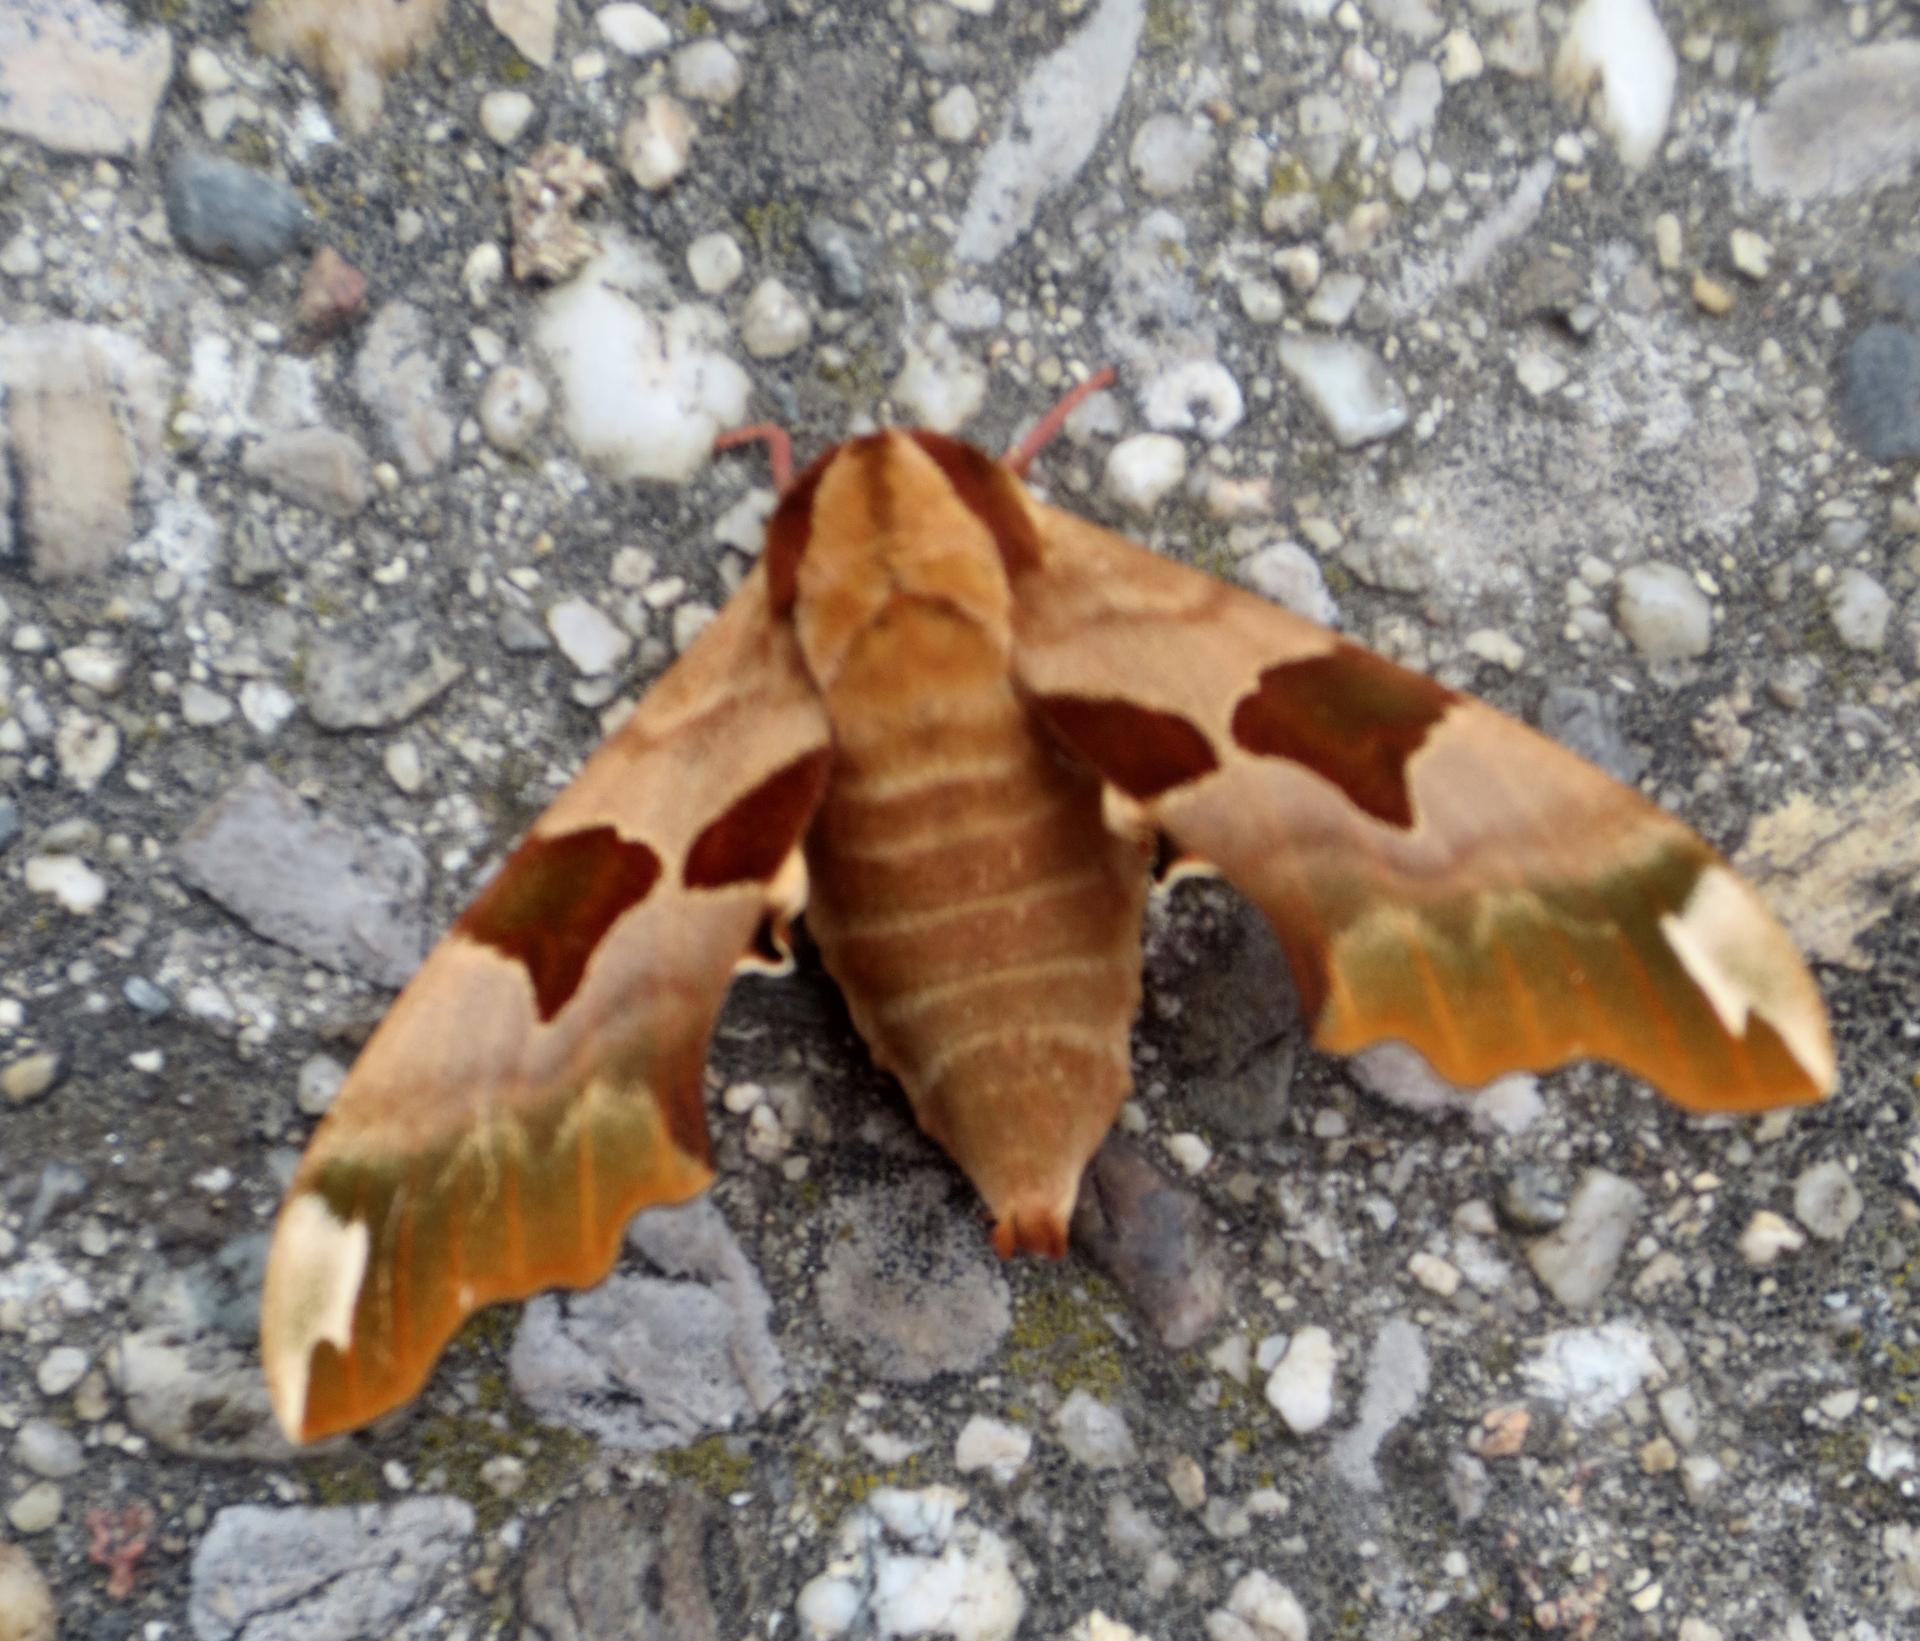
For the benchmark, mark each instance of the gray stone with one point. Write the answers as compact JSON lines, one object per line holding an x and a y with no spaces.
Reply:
{"x":841,"y":254}
{"x":1880,"y":391}
{"x":644,"y":1362}
{"x":317,"y":467}
{"x":79,"y":78}
{"x":322,"y":1574}
{"x":1663,"y":612}
{"x":348,"y":899}
{"x":1397,"y":1376}
{"x":831,"y":108}
{"x":1094,"y":1433}
{"x":1347,"y":386}
{"x":227,"y":212}
{"x":49,"y":1450}
{"x":1849,"y":124}
{"x":912,"y":1287}
{"x":84,"y":407}
{"x":1826,"y":1200}
{"x":1054,"y":122}
{"x":1577,"y":1260}
{"x":9,"y":822}
{"x":1154,"y":1240}
{"x":1532,"y":1199}
{"x":1587,"y":722}
{"x":197,"y":1394}
{"x":632,"y":1568}
{"x":398,"y":378}
{"x":1861,"y":610}
{"x":352,"y":684}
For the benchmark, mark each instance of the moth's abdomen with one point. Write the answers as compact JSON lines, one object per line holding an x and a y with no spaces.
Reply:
{"x":985,"y":928}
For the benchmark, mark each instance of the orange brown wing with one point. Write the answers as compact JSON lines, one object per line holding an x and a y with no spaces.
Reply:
{"x":539,"y":1079}
{"x":1437,"y":872}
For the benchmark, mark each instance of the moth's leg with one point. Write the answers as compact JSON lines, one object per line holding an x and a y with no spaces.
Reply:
{"x":1020,"y":456}
{"x":779,"y":448}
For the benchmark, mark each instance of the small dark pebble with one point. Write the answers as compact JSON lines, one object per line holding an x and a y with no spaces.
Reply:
{"x":227,"y":212}
{"x":1880,"y":392}
{"x":1152,"y":1238}
{"x":838,"y":251}
{"x":146,"y":997}
{"x":9,"y":821}
{"x":1532,"y":1199}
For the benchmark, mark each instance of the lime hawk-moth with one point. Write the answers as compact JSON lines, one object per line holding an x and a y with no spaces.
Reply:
{"x":962,"y":728}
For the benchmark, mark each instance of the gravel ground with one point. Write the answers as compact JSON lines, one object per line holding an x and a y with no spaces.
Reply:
{"x":358,"y":364}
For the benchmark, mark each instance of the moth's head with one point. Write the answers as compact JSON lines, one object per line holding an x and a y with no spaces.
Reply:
{"x":897,"y":515}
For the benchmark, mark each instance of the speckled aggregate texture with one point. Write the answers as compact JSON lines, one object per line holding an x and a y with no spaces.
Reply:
{"x":1568,"y":351}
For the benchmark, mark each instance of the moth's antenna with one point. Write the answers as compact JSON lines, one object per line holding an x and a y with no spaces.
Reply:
{"x":779,"y":448}
{"x":1020,"y":457}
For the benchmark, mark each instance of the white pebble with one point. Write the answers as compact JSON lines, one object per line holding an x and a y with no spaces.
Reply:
{"x":201,"y":707}
{"x":714,"y":261}
{"x":207,"y":74}
{"x":60,"y":1370}
{"x":1169,"y":152}
{"x":1347,"y":384}
{"x":656,"y":143}
{"x":1767,"y":1236}
{"x":1860,"y":609}
{"x":1333,"y":303}
{"x":1288,"y":574}
{"x":101,"y":669}
{"x":86,"y":748}
{"x":955,"y":116}
{"x":1407,"y":175}
{"x":708,"y":72}
{"x":1144,"y":470}
{"x":1826,"y":1200}
{"x":1194,"y":396}
{"x":1663,"y":612}
{"x":504,"y":115}
{"x":990,"y":1445}
{"x":1300,"y":1388}
{"x":512,"y":406}
{"x":1261,"y":301}
{"x":774,"y":322}
{"x":632,"y":30}
{"x":941,"y":386}
{"x":587,"y":637}
{"x":1752,"y":254}
{"x":1094,"y":1433}
{"x":404,"y":768}
{"x":266,"y":706}
{"x":1460,"y":58}
{"x":1620,"y":44}
{"x":481,"y":273}
{"x":1190,"y":1152}
{"x":1434,"y":1274}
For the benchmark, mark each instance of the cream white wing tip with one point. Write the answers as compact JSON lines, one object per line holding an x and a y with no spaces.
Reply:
{"x":313,"y":1282}
{"x":1745,"y":965}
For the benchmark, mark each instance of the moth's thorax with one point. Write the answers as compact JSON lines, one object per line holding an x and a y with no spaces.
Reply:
{"x":892,"y":536}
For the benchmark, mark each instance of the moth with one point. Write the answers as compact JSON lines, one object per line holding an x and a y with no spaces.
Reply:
{"x":965,"y":730}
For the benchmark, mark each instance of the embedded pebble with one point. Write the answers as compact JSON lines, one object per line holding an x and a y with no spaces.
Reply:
{"x":322,"y":1571}
{"x":1826,"y":1200}
{"x":1288,"y":574}
{"x":1619,"y":48}
{"x":998,"y":1448}
{"x":1591,"y":1371}
{"x":587,"y":637}
{"x":714,"y":261}
{"x":397,"y":376}
{"x":513,"y":405}
{"x":27,"y":1610}
{"x":1094,"y":1433}
{"x":1347,"y":384}
{"x":1663,"y":612}
{"x":707,"y":72}
{"x":631,"y":29}
{"x":942,"y":385}
{"x":1142,"y":471}
{"x":35,"y":1508}
{"x":320,"y":1078}
{"x":66,"y":880}
{"x":1880,"y":391}
{"x":1577,"y":1260}
{"x":955,"y":115}
{"x":505,"y":115}
{"x":1398,"y":1372}
{"x":357,"y":683}
{"x":657,"y":142}
{"x":1169,"y":152}
{"x":1861,"y":610}
{"x":316,"y":467}
{"x":839,"y":252}
{"x":80,"y":77}
{"x":1847,"y":124}
{"x":1750,"y":253}
{"x":1767,"y":1237}
{"x":49,"y":1450}
{"x":30,"y":1077}
{"x":774,"y":322}
{"x":1259,"y":1608}
{"x":1300,"y":1388}
{"x":227,"y":212}
{"x":86,"y":748}
{"x":60,"y":1370}
{"x":1194,"y":396}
